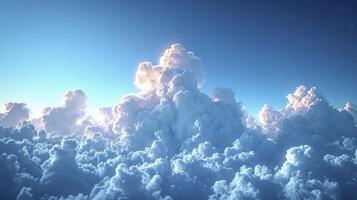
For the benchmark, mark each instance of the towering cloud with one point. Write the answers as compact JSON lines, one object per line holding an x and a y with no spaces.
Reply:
{"x":171,"y":107}
{"x":171,"y":141}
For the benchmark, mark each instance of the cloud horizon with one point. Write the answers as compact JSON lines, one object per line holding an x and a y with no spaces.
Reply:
{"x":172,"y":141}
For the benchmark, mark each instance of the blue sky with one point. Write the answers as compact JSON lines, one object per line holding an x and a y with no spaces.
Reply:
{"x":260,"y":49}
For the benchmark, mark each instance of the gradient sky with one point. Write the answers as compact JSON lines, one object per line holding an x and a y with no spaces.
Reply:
{"x":260,"y":49}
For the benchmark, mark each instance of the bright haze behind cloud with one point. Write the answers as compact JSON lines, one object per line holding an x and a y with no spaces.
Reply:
{"x":262,"y":50}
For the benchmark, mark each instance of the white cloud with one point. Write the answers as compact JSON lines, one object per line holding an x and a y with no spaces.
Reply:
{"x":172,"y":141}
{"x":302,"y":99}
{"x":177,"y":57}
{"x":63,"y":119}
{"x":14,"y":113}
{"x":352,"y":109}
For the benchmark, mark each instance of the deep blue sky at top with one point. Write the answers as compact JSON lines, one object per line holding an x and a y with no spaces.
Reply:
{"x":260,"y":49}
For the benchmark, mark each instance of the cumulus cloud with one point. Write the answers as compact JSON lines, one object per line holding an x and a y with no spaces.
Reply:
{"x":172,"y":141}
{"x":14,"y":113}
{"x":63,"y":119}
{"x":269,"y":119}
{"x":175,"y":59}
{"x":352,"y":109}
{"x":303,"y":99}
{"x":178,"y":58}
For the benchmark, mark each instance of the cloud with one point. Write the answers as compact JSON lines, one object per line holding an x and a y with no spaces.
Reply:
{"x":25,"y":194}
{"x":14,"y":113}
{"x":173,"y":62}
{"x":303,"y":99}
{"x":62,"y":170}
{"x":177,"y":57}
{"x":269,"y":119}
{"x":63,"y":119}
{"x":172,"y":141}
{"x":352,"y":109}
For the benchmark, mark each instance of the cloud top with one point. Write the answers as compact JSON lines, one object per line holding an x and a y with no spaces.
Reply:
{"x":63,"y":119}
{"x":14,"y":113}
{"x":155,"y":77}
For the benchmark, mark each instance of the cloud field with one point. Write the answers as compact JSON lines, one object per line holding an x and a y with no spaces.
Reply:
{"x":171,"y":141}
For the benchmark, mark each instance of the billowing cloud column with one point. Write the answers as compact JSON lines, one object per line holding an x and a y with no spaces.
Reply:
{"x":170,"y":107}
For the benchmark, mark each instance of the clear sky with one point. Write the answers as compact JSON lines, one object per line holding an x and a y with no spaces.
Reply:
{"x":260,"y":49}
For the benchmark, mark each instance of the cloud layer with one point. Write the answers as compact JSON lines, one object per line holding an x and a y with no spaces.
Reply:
{"x":171,"y":141}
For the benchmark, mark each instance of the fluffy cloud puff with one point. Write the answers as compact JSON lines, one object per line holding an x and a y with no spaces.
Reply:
{"x":14,"y":113}
{"x":176,"y":58}
{"x":171,"y":141}
{"x":63,"y":119}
